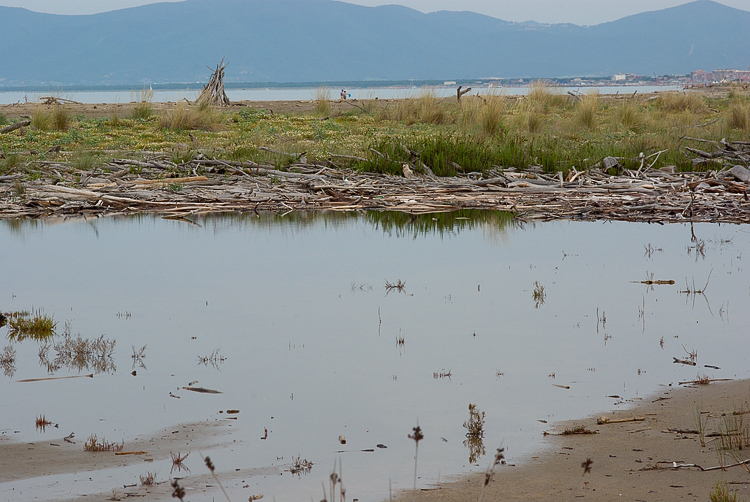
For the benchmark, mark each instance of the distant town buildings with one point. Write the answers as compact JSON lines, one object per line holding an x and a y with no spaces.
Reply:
{"x":719,"y":76}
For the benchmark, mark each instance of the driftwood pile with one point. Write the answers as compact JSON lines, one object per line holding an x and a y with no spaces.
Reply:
{"x":213,"y":92}
{"x":206,"y":185}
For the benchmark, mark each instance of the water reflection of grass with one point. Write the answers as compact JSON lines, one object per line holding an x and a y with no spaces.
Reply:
{"x":34,"y":325}
{"x":438,"y":223}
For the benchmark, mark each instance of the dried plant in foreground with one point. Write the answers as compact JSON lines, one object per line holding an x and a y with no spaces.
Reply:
{"x":148,"y":479}
{"x":499,"y":459}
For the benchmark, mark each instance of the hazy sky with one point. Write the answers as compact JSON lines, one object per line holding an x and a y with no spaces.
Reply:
{"x":586,"y":12}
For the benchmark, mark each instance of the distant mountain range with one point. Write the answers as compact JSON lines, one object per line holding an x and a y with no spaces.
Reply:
{"x":327,"y":40}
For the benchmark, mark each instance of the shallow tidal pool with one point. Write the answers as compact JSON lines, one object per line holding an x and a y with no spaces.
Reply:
{"x":316,"y":326}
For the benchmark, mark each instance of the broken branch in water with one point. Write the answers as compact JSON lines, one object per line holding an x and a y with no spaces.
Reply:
{"x":203,"y":390}
{"x":91,"y":375}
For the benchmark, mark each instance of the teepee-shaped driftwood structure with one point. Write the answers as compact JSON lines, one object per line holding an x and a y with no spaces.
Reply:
{"x":213,"y":92}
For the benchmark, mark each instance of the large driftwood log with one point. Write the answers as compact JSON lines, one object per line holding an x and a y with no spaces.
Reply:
{"x":15,"y":126}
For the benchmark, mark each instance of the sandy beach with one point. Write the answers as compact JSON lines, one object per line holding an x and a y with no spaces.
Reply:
{"x":653,"y":459}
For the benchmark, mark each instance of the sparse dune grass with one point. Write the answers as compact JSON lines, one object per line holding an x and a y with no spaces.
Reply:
{"x":187,"y":117}
{"x":586,"y":110}
{"x":542,"y":128}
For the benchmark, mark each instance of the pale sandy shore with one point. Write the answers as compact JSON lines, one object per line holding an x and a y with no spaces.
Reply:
{"x":631,"y":461}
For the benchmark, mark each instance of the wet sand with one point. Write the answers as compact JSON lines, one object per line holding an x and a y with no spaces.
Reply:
{"x":631,"y":461}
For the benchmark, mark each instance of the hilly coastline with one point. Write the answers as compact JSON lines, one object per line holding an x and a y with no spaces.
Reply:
{"x":326,"y":40}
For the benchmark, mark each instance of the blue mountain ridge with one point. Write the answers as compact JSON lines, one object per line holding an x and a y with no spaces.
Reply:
{"x":327,"y":40}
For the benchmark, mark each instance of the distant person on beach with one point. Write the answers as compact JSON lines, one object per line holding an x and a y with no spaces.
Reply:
{"x":343,"y":94}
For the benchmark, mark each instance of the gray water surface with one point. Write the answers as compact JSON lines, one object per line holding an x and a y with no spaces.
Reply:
{"x":297,"y":307}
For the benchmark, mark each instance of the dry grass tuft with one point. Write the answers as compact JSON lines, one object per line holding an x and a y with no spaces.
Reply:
{"x":681,"y":101}
{"x":739,"y":117}
{"x":323,"y":101}
{"x":586,"y":110}
{"x":93,"y":444}
{"x":148,"y":479}
{"x":40,"y":119}
{"x":186,"y":118}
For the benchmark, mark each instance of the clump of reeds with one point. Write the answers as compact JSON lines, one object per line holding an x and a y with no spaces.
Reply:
{"x":148,"y":479}
{"x":186,"y":117}
{"x":627,"y":115}
{"x":80,"y":354}
{"x":61,"y":118}
{"x":681,"y":101}
{"x":738,"y":117}
{"x":475,"y":433}
{"x":586,"y":110}
{"x":42,"y":423}
{"x":540,"y":94}
{"x":323,"y":101}
{"x":577,"y":429}
{"x":475,"y":425}
{"x":40,"y":119}
{"x":35,"y":325}
{"x":8,"y":361}
{"x":84,"y":161}
{"x":491,"y":115}
{"x":10,"y":162}
{"x":538,"y":295}
{"x":94,"y":444}
{"x":721,"y":493}
{"x":143,"y":110}
{"x":300,"y":466}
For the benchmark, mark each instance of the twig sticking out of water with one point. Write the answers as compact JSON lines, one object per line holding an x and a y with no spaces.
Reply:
{"x":417,"y":436}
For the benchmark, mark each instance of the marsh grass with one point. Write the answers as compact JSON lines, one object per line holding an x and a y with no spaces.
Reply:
{"x":187,"y":117}
{"x":3,"y":119}
{"x":722,"y":493}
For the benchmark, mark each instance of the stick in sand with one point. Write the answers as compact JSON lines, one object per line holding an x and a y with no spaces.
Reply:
{"x":605,"y":420}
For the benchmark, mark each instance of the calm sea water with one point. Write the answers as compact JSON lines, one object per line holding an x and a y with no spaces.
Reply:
{"x":315,"y":346}
{"x":300,"y":94}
